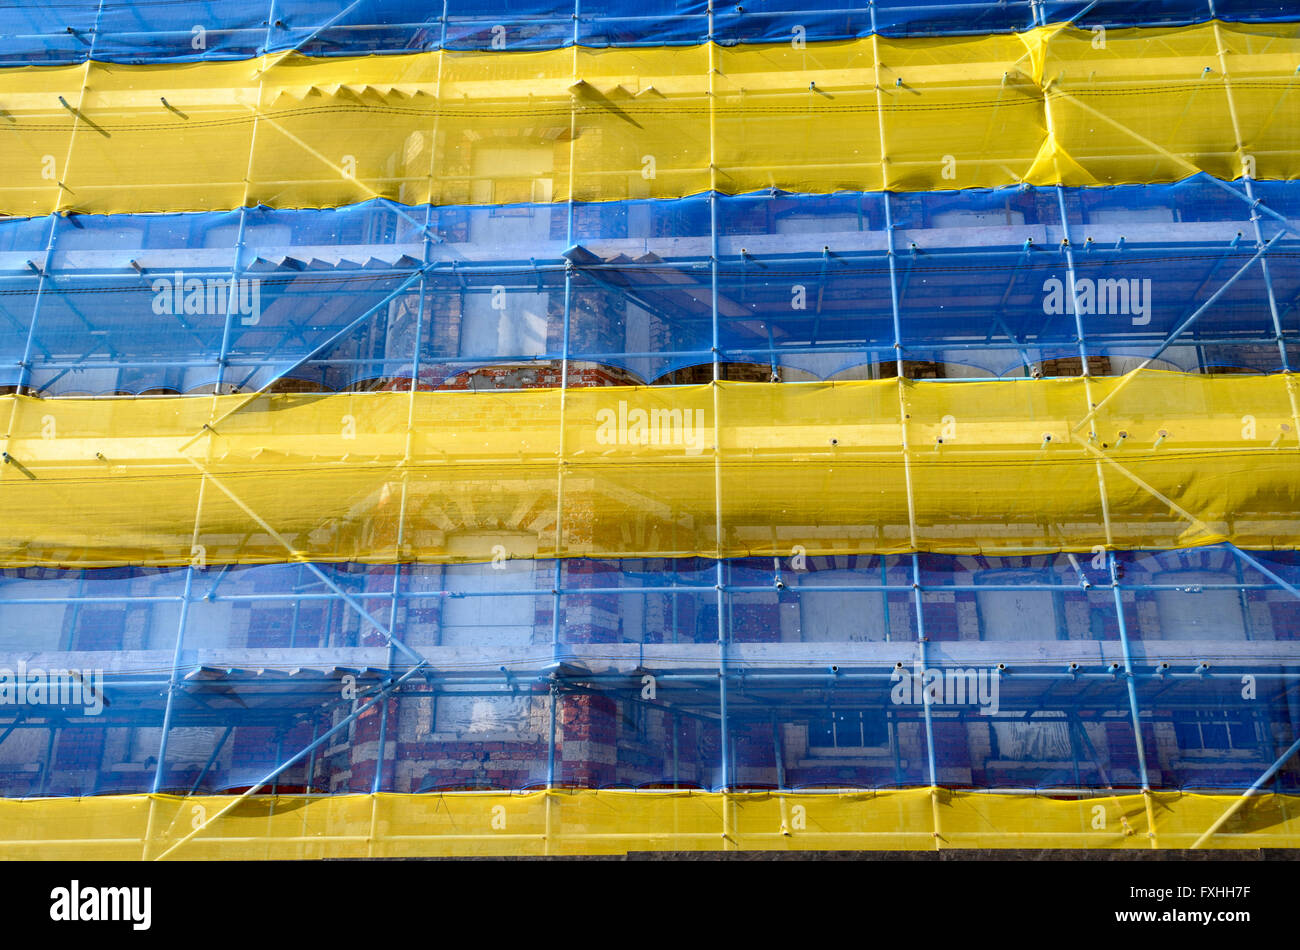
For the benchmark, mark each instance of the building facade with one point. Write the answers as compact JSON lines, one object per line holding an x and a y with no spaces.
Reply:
{"x":471,"y":431}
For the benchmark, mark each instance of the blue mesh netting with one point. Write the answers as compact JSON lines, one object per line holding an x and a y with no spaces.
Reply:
{"x":357,"y":298}
{"x":188,"y":30}
{"x":819,"y":657}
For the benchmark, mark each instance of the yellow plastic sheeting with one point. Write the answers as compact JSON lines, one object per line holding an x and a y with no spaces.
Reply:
{"x":1166,"y":460}
{"x":1053,"y":105}
{"x":131,"y":827}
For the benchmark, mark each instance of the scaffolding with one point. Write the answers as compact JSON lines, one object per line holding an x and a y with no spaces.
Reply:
{"x":967,"y":517}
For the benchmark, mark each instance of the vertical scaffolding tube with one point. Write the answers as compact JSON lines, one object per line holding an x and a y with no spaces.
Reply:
{"x":923,"y":659}
{"x":726,"y":778}
{"x":1134,"y":711}
{"x":173,"y":685}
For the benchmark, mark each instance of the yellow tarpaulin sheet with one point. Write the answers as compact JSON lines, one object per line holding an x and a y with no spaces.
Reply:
{"x":1053,"y":105}
{"x":132,"y":827}
{"x":1164,"y":460}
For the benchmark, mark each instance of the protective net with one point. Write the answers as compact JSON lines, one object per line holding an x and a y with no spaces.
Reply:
{"x":585,"y":822}
{"x":988,"y":673}
{"x":148,"y":31}
{"x":1161,"y":460}
{"x":1046,"y":107}
{"x":603,"y":428}
{"x":959,"y":284}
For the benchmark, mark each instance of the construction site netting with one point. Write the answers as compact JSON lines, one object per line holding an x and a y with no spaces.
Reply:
{"x":1199,"y":276}
{"x":73,"y":31}
{"x":1046,"y":107}
{"x":1160,"y":460}
{"x":586,"y":822}
{"x":618,"y":427}
{"x":858,"y":673}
